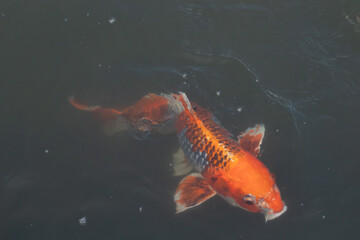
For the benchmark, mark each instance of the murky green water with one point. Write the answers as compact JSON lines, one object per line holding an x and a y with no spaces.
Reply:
{"x":292,"y":65}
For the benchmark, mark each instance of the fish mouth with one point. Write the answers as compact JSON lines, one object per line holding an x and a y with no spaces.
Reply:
{"x":270,"y":215}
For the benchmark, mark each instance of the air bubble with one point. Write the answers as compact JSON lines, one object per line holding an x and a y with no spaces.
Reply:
{"x":82,"y":221}
{"x":112,"y":20}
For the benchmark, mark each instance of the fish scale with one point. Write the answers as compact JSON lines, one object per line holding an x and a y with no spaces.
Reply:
{"x":198,"y":148}
{"x":196,"y":158}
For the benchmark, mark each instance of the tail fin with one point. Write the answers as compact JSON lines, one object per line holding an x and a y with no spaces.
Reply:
{"x":81,"y":106}
{"x":179,"y":102}
{"x":112,"y":120}
{"x":174,"y":104}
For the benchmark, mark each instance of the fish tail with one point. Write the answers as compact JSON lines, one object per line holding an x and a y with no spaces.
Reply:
{"x":174,"y":104}
{"x":111,"y":119}
{"x":178,"y":102}
{"x":81,"y":106}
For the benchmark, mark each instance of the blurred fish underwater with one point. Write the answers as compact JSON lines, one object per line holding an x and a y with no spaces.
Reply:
{"x":292,"y":65}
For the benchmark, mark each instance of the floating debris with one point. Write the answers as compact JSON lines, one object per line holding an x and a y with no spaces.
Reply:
{"x":257,"y":80}
{"x":82,"y":221}
{"x":301,"y":204}
{"x":218,"y":93}
{"x":46,"y":150}
{"x":323,"y":217}
{"x":87,"y":14}
{"x":184,"y":75}
{"x":100,"y":65}
{"x":140,"y":209}
{"x":239,"y":109}
{"x":112,"y":20}
{"x":277,"y":130}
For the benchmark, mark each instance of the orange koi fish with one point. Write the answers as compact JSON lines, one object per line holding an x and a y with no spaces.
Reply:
{"x":224,"y":166}
{"x":151,"y":112}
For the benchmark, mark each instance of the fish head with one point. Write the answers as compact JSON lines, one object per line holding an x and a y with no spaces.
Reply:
{"x":251,"y":186}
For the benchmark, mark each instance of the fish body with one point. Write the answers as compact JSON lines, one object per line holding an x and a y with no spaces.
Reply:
{"x":226,"y":167}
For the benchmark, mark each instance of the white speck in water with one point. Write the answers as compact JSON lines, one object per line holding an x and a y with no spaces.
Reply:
{"x":277,"y":130}
{"x":100,"y":65}
{"x":218,"y":93}
{"x":239,"y":109}
{"x":323,"y":217}
{"x":82,"y":221}
{"x":328,"y":168}
{"x":111,"y":196}
{"x":184,"y":75}
{"x":301,"y":204}
{"x":46,"y":150}
{"x":170,"y":164}
{"x":140,"y":209}
{"x":99,"y":23}
{"x":31,"y":225}
{"x":185,"y":83}
{"x":257,"y":80}
{"x":3,"y":14}
{"x":304,"y":123}
{"x":87,"y":14}
{"x":112,"y":20}
{"x":109,"y":66}
{"x":65,"y":19}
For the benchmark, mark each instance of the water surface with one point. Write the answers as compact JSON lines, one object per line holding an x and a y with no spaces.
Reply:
{"x":292,"y":65}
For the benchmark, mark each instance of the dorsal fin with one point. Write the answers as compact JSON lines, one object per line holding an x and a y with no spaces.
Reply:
{"x":251,"y":139}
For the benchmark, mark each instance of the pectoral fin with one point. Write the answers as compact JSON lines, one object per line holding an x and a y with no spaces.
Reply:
{"x":251,"y":139}
{"x":181,"y":165}
{"x":192,"y":191}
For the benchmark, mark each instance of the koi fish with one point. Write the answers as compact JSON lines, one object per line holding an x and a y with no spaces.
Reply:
{"x":223,"y":166}
{"x":150,"y":113}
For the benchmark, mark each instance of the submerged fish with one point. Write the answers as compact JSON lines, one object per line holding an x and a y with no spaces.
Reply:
{"x":150,"y":113}
{"x":223,"y":165}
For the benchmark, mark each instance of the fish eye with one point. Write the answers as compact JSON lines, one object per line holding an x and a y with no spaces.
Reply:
{"x":249,"y":200}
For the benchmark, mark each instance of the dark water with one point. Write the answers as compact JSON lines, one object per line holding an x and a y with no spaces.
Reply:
{"x":292,"y":65}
